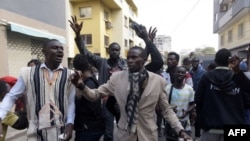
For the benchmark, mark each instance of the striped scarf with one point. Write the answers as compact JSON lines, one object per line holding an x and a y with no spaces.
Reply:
{"x":137,"y":84}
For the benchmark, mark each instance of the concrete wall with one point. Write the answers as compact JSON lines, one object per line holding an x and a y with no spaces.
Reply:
{"x":237,"y":41}
{"x":48,"y":11}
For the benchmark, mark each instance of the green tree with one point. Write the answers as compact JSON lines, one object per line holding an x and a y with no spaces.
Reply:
{"x":205,"y":50}
{"x":208,"y":50}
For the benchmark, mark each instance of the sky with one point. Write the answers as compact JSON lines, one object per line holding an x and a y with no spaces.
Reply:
{"x":188,"y":22}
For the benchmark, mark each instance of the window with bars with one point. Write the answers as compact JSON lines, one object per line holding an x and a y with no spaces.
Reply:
{"x":87,"y":38}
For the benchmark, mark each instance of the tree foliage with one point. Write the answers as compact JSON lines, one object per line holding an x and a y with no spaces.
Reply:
{"x":205,"y":50}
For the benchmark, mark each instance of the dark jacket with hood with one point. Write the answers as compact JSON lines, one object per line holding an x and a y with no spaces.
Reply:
{"x":219,"y":100}
{"x":241,"y":79}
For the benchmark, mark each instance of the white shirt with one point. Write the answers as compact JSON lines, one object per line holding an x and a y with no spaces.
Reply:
{"x":19,"y":88}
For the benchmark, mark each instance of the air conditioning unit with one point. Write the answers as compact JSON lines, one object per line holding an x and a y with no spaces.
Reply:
{"x":108,"y":24}
{"x":223,"y":8}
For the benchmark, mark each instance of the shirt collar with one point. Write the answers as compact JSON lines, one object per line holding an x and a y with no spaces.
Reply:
{"x":224,"y":68}
{"x":60,"y":67}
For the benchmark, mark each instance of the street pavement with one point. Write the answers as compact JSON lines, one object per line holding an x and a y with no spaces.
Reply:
{"x":20,"y":135}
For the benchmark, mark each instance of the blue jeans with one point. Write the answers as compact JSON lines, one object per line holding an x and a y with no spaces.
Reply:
{"x":109,"y":124}
{"x":88,"y":135}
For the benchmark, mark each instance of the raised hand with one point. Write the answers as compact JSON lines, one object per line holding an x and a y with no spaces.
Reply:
{"x":152,"y":33}
{"x":141,"y":31}
{"x":75,"y":26}
{"x":76,"y":78}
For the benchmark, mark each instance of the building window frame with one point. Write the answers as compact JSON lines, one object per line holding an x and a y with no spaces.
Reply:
{"x":87,"y":39}
{"x":125,"y":21}
{"x":85,"y":12}
{"x":230,"y":36}
{"x":106,"y":40}
{"x":222,"y":40}
{"x":106,"y":15}
{"x":241,"y":30}
{"x":125,"y":42}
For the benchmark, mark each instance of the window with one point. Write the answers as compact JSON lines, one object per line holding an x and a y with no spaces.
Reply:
{"x":125,"y":43}
{"x":106,"y":15}
{"x":125,"y":21}
{"x":230,"y":36}
{"x":87,"y":38}
{"x":85,"y":12}
{"x":131,"y":43}
{"x":106,"y":40}
{"x":223,"y":7}
{"x":216,"y":18}
{"x":222,"y":40}
{"x":240,"y":30}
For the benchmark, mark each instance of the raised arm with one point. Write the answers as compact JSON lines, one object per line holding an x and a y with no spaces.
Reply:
{"x":93,"y":59}
{"x":156,"y":59}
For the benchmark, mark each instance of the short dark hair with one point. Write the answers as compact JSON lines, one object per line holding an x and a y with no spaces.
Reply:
{"x":114,"y":43}
{"x":222,"y":56}
{"x":177,"y":56}
{"x":35,"y":61}
{"x":186,"y":59}
{"x":47,"y":42}
{"x":143,"y":52}
{"x":196,"y":58}
{"x":211,"y":66}
{"x":81,"y":63}
{"x":178,"y":67}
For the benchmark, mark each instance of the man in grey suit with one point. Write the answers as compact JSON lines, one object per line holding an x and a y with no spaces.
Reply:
{"x":137,"y":92}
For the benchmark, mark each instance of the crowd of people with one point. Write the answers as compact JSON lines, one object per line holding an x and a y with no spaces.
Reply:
{"x":52,"y":101}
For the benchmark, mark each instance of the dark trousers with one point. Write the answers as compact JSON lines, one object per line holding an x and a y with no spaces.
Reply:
{"x":197,"y":127}
{"x":109,"y":124}
{"x":88,"y":136}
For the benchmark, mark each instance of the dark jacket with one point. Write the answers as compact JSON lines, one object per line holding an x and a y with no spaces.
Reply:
{"x":219,"y":100}
{"x":196,"y":76}
{"x":89,"y":114}
{"x":101,"y":64}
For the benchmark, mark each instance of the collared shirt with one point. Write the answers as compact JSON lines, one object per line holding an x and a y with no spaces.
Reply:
{"x":19,"y":88}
